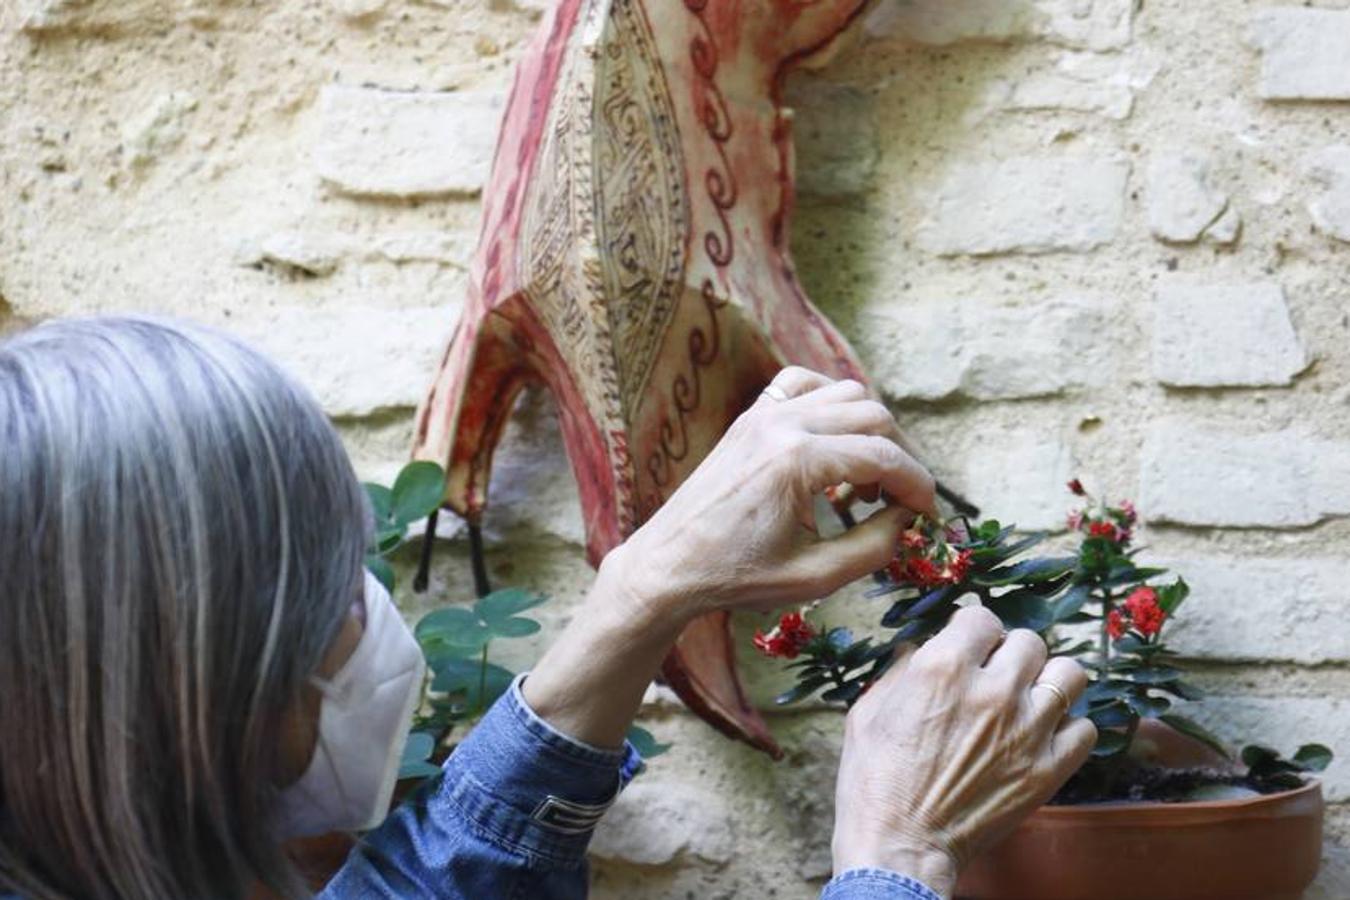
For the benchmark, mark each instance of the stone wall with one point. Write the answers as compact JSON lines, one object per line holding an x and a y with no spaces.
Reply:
{"x":1086,"y":237}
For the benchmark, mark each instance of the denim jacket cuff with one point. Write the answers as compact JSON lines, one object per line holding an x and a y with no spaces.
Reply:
{"x":532,"y":789}
{"x":876,"y":884}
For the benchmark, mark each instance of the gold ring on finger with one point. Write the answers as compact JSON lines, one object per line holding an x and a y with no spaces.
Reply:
{"x":1058,"y":692}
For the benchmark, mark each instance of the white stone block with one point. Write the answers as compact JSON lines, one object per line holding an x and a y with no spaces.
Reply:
{"x":658,"y":820}
{"x":1182,"y":201}
{"x":1088,"y":24}
{"x":935,"y":350}
{"x":356,"y":360}
{"x":406,"y":144}
{"x":1019,"y":476}
{"x":1026,"y":204}
{"x":1236,"y":335}
{"x":1304,"y":53}
{"x":1192,"y":475}
{"x":1285,"y":610}
{"x":1330,"y":206}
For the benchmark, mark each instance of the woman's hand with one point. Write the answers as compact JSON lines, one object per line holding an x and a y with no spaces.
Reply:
{"x":737,"y":533}
{"x":952,"y":747}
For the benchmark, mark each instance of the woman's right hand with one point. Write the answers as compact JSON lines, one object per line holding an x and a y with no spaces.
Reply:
{"x":738,"y":532}
{"x":952,"y":747}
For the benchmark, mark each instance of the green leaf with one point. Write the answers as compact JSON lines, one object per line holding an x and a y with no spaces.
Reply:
{"x":1029,"y":571}
{"x":381,"y":500}
{"x":451,"y":631}
{"x":1022,"y":609}
{"x":1171,"y":596}
{"x":500,"y":605}
{"x":1109,"y":743}
{"x":418,"y":492}
{"x":1313,"y":757}
{"x":644,"y":742}
{"x":514,"y":627}
{"x":1071,"y":603}
{"x":380,"y":568}
{"x":416,"y":755}
{"x":801,"y":690}
{"x":1195,"y":730}
{"x":1146,"y":706}
{"x":388,"y":540}
{"x":466,"y":675}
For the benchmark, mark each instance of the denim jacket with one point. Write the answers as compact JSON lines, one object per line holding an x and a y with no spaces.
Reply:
{"x":510,"y":818}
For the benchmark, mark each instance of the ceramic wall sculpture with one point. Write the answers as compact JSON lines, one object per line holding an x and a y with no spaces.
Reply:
{"x":634,"y":260}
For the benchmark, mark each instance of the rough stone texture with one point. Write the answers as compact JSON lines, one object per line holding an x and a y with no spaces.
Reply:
{"x":164,"y":156}
{"x":1330,"y":205}
{"x":1089,"y":24}
{"x":1182,"y":202}
{"x":835,"y":128}
{"x":1263,"y":609}
{"x":656,"y":820}
{"x":357,"y":360}
{"x":1031,"y":205}
{"x":1022,"y":475}
{"x":388,"y":143}
{"x":1194,"y":475}
{"x":1303,"y":53}
{"x":1079,"y":82}
{"x":1224,"y":336}
{"x":937,"y":350}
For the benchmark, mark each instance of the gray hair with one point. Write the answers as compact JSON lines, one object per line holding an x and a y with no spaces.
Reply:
{"x":181,"y":537}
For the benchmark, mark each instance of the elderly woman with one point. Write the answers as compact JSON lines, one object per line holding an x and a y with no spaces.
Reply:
{"x":194,"y":667}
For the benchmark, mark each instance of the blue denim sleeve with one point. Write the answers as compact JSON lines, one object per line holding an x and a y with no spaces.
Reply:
{"x":876,"y":884}
{"x":510,"y":816}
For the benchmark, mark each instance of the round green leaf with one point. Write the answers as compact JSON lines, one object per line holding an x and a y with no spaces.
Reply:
{"x":418,"y":491}
{"x":514,"y":627}
{"x":503,"y":604}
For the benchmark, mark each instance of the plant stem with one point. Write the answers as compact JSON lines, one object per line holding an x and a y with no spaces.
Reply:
{"x":1104,"y":654}
{"x":482,"y":678}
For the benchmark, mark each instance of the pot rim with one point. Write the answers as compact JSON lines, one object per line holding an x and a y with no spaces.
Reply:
{"x":1155,"y":807}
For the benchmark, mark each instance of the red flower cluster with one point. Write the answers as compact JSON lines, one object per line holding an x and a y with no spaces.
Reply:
{"x":1115,"y":524}
{"x":1142,"y":612}
{"x":787,"y":639}
{"x":927,"y":562}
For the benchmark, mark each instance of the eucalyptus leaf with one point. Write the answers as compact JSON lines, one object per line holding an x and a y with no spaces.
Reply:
{"x":466,"y":676}
{"x":514,"y":627}
{"x":645,"y":743}
{"x":418,"y":491}
{"x":500,"y":605}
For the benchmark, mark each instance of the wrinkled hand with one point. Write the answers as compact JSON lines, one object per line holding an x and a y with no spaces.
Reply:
{"x":952,"y":747}
{"x":738,"y":531}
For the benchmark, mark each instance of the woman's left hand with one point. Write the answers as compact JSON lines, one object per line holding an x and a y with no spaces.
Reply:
{"x":739,"y":532}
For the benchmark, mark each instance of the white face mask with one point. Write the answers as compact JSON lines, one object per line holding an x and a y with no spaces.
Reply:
{"x":363,"y":724}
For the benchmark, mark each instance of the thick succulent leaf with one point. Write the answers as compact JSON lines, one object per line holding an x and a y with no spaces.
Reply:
{"x":1313,"y":757}
{"x":1195,"y":730}
{"x":1109,"y":743}
{"x":1028,"y":571}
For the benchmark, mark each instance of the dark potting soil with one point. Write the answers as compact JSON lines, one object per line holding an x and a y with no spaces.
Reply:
{"x":1156,"y":785}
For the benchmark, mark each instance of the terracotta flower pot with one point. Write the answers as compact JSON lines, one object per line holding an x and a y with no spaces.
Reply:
{"x":1260,"y":848}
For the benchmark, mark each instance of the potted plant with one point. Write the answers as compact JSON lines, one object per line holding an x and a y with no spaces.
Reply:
{"x":1161,"y":810}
